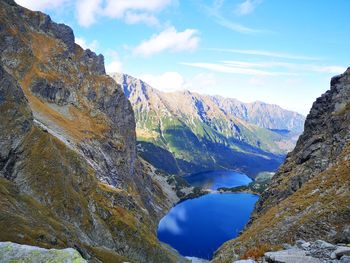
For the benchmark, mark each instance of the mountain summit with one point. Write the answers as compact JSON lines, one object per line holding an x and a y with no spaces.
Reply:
{"x":69,"y":172}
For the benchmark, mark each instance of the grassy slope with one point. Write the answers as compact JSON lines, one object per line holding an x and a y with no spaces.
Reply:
{"x":320,"y":204}
{"x":56,"y":201}
{"x":195,"y":146}
{"x":49,"y":194}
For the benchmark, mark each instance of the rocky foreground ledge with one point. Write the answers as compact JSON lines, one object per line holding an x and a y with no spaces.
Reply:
{"x":12,"y":252}
{"x":307,"y":252}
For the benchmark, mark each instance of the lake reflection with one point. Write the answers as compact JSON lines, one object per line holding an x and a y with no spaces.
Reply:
{"x":199,"y":226}
{"x":216,"y":179}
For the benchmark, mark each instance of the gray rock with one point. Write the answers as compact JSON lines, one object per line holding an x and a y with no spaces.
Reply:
{"x":302,"y":244}
{"x":345,"y":259}
{"x":323,"y":245}
{"x":299,"y":242}
{"x":65,"y":33}
{"x":13,"y":107}
{"x":306,"y":245}
{"x":325,"y":136}
{"x":52,"y":92}
{"x":287,"y":246}
{"x":12,"y":252}
{"x":245,"y":261}
{"x":345,"y":234}
{"x":340,"y":251}
{"x":95,"y":63}
{"x":289,"y":256}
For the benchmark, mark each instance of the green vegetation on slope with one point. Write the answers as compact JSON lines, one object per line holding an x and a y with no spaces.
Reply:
{"x":259,"y":185}
{"x":184,"y":132}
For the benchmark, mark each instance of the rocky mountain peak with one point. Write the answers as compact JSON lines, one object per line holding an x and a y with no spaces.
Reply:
{"x":308,"y":196}
{"x":69,"y":172}
{"x":325,"y":136}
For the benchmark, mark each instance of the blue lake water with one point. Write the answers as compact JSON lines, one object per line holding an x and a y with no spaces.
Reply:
{"x":216,"y":179}
{"x":198,"y":227}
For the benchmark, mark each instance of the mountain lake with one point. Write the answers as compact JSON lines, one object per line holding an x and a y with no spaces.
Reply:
{"x":198,"y":227}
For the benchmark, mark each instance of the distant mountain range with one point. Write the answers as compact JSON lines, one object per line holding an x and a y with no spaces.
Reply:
{"x":184,"y":132}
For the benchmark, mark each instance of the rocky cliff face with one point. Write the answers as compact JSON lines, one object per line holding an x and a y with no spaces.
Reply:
{"x":69,"y":172}
{"x":309,"y":195}
{"x":184,"y":132}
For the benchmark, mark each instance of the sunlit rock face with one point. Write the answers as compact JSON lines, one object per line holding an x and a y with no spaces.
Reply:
{"x":185,"y":132}
{"x":69,"y":172}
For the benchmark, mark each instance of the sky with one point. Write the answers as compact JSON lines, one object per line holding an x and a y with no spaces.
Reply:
{"x":277,"y":51}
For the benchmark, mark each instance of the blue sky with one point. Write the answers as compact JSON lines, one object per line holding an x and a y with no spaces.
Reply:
{"x":281,"y":52}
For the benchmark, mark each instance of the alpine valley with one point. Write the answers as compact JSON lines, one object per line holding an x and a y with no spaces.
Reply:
{"x":90,"y":163}
{"x":183,"y":132}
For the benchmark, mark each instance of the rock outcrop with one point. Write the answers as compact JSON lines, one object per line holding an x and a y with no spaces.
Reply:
{"x":215,"y":132}
{"x":69,"y":172}
{"x":309,"y":195}
{"x":12,"y":252}
{"x":318,"y":251}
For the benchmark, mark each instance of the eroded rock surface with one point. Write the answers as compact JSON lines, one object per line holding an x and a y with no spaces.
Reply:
{"x":309,"y":197}
{"x":69,"y":172}
{"x":12,"y":252}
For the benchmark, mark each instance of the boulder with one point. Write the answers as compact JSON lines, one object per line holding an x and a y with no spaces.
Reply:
{"x":340,"y":251}
{"x":12,"y":252}
{"x":345,"y":259}
{"x":289,"y":256}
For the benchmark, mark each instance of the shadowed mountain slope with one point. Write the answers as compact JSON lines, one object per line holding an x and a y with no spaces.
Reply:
{"x":309,"y":195}
{"x":69,"y":171}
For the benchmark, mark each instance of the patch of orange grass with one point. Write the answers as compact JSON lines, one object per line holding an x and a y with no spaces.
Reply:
{"x":141,"y":133}
{"x":258,"y":251}
{"x":43,"y":46}
{"x":81,"y":126}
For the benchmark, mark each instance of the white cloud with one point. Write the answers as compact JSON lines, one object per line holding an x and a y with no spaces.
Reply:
{"x":237,"y":27}
{"x":87,"y":10}
{"x":41,"y":5}
{"x":296,"y":67}
{"x":131,"y":11}
{"x":257,"y":81}
{"x":267,"y":68}
{"x":169,"y":39}
{"x":173,"y":221}
{"x":264,"y":53}
{"x":172,"y":81}
{"x":168,"y":81}
{"x":135,"y":18}
{"x":93,"y":45}
{"x":114,"y":67}
{"x":204,"y":80}
{"x":233,"y":69}
{"x":214,"y":11}
{"x":117,"y":8}
{"x":202,"y":83}
{"x":326,"y":69}
{"x":247,"y":7}
{"x":170,"y":224}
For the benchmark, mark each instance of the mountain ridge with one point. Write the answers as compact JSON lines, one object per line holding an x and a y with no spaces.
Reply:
{"x":298,"y":127}
{"x":209,"y":130}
